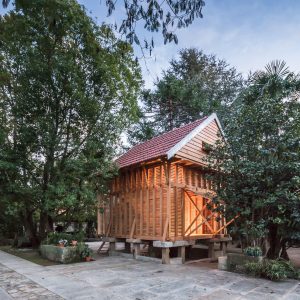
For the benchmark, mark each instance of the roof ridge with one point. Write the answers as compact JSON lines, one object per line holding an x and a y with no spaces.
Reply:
{"x":162,"y":144}
{"x":176,"y":128}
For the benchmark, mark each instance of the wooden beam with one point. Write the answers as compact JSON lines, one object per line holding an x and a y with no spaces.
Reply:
{"x":205,"y":220}
{"x":199,"y":214}
{"x":161,"y":202}
{"x":154,"y":201}
{"x":132,"y":228}
{"x":175,"y":200}
{"x":228,"y":223}
{"x":165,"y":229}
{"x":197,"y":191}
{"x":146,"y":176}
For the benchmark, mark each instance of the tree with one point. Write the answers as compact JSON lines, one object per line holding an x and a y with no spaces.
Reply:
{"x":164,"y":16}
{"x":68,"y":89}
{"x":195,"y":85}
{"x":258,"y":174}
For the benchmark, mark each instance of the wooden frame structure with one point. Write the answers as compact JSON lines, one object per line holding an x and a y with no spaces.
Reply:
{"x":166,"y":198}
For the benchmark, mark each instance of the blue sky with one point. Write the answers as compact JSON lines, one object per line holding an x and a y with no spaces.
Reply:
{"x":247,"y":34}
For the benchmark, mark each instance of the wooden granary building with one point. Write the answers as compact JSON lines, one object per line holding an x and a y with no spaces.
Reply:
{"x":161,"y":195}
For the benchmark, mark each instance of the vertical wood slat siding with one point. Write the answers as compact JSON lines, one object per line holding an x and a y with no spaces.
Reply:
{"x":142,"y":194}
{"x":132,"y":198}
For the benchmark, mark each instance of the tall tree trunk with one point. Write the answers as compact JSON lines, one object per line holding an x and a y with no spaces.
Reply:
{"x":46,"y":224}
{"x":30,"y":228}
{"x":275,"y":242}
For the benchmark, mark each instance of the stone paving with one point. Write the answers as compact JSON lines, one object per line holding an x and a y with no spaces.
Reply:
{"x":17,"y":286}
{"x":124,"y":278}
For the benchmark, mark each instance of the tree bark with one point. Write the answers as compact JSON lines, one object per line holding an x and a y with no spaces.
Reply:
{"x":30,"y":228}
{"x":275,"y":241}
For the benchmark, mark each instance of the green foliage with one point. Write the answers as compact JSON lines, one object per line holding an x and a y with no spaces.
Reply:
{"x":195,"y":85}
{"x":154,"y":15}
{"x":253,"y":251}
{"x":53,"y":238}
{"x":254,"y":268}
{"x":258,"y":174}
{"x":68,"y":89}
{"x":84,"y":250}
{"x":272,"y":269}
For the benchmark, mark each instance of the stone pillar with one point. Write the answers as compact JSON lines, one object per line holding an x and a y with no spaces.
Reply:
{"x":211,"y":250}
{"x":223,"y":247}
{"x":181,"y":253}
{"x":127,"y":247}
{"x":112,"y":246}
{"x":165,"y":255}
{"x":136,"y":250}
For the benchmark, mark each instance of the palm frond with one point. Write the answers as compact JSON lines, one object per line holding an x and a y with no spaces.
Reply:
{"x":278,"y":68}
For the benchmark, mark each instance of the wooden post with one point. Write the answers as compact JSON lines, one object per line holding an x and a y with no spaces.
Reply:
{"x":169,"y":198}
{"x":165,"y":255}
{"x":161,"y":202}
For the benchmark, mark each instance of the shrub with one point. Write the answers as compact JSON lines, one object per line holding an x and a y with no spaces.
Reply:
{"x":292,"y":272}
{"x":272,"y":269}
{"x":253,"y":251}
{"x":79,"y":236}
{"x":84,"y":250}
{"x":254,"y":268}
{"x":53,"y":238}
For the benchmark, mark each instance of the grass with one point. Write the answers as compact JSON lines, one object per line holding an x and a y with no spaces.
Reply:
{"x":29,"y":254}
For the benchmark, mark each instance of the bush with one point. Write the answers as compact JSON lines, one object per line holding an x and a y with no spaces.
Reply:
{"x":53,"y":238}
{"x":253,"y":251}
{"x":292,"y":272}
{"x":84,"y":250}
{"x":254,"y":268}
{"x":272,"y":269}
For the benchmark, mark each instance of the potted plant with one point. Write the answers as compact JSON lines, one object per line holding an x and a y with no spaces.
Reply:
{"x":74,"y":243}
{"x":253,"y":251}
{"x":62,"y":243}
{"x":86,"y":253}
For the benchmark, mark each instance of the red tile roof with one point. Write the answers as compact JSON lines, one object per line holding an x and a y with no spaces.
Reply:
{"x":157,"y":146}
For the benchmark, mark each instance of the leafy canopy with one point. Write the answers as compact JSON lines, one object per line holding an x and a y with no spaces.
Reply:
{"x":68,"y":89}
{"x":154,"y":16}
{"x":258,"y":166}
{"x":195,"y":85}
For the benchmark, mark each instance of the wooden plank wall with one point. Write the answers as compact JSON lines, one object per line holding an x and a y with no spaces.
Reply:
{"x":139,"y":198}
{"x":193,"y":149}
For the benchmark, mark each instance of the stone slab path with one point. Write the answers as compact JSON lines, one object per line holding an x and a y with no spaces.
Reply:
{"x":119,"y":278}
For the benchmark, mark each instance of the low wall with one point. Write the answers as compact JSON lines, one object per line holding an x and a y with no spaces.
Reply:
{"x":63,"y":255}
{"x":232,"y":260}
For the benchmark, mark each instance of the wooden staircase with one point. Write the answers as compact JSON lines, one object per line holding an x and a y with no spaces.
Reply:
{"x":103,"y":249}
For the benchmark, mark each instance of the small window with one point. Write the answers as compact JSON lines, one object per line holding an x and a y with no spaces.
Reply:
{"x":206,"y":147}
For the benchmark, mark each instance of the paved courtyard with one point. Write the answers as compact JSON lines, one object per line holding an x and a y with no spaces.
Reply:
{"x":111,"y":278}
